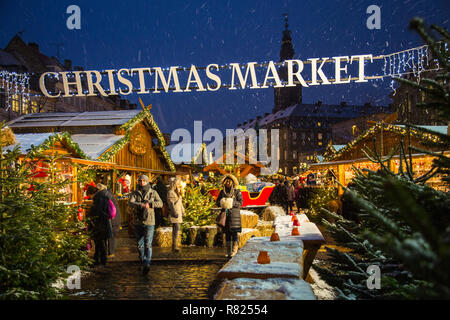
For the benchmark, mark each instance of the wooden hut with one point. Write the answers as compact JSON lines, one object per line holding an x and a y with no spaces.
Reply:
{"x":384,"y":138}
{"x":117,"y":143}
{"x":241,"y":167}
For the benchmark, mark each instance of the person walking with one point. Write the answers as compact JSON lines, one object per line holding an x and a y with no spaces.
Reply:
{"x":161,"y":189}
{"x":291,"y":196}
{"x":116,"y":221}
{"x":143,"y":201}
{"x":176,"y":209}
{"x":230,"y":199}
{"x":284,"y":198}
{"x":99,"y":224}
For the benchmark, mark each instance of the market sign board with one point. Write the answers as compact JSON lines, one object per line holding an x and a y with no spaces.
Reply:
{"x":104,"y":82}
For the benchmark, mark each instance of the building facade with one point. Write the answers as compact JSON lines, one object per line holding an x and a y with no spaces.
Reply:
{"x":18,"y":97}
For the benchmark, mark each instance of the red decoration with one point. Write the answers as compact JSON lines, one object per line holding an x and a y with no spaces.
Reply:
{"x":263,"y":257}
{"x":295,"y":232}
{"x":294,"y":217}
{"x":87,"y":185}
{"x":259,"y":200}
{"x":296,"y":223}
{"x":124,"y":185}
{"x":80,"y":214}
{"x":274,"y":237}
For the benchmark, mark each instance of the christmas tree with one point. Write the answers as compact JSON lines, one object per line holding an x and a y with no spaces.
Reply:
{"x":39,"y":233}
{"x":398,"y":223}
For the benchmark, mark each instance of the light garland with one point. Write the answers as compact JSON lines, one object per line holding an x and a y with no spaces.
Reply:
{"x":417,"y":132}
{"x":127,"y":127}
{"x":400,"y":63}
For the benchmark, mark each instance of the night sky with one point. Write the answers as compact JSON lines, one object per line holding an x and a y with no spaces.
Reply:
{"x":127,"y":34}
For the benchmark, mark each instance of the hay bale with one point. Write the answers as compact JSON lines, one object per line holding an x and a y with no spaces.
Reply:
{"x":265,"y":228}
{"x":246,"y":234}
{"x":249,"y":219}
{"x":192,"y":235}
{"x":163,"y":237}
{"x":270,"y":213}
{"x":7,"y":137}
{"x":206,"y":236}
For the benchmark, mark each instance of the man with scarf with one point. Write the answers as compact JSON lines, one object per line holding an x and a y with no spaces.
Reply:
{"x":230,"y":199}
{"x":143,"y":201}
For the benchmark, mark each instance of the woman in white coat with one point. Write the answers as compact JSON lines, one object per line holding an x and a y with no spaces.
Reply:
{"x":176,"y":209}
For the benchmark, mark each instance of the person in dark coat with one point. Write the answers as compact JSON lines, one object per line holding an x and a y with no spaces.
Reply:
{"x":284,"y":195}
{"x":162,"y":190}
{"x":230,"y":199}
{"x":99,"y":223}
{"x":116,"y":222}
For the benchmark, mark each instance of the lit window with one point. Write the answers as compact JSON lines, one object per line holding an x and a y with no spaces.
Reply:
{"x":320,"y":143}
{"x":319,"y":136}
{"x":319,"y":124}
{"x":294,"y":155}
{"x":34,"y":107}
{"x":24,"y":105}
{"x":15,"y":103}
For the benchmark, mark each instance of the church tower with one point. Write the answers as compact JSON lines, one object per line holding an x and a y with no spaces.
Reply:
{"x":286,"y":97}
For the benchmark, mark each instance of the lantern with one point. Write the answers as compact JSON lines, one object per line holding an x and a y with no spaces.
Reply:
{"x":295,"y":232}
{"x":263,"y":257}
{"x":274,"y":237}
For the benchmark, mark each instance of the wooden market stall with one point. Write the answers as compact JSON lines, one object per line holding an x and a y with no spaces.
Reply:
{"x":385,"y":138}
{"x":243,"y":165}
{"x":114,"y":143}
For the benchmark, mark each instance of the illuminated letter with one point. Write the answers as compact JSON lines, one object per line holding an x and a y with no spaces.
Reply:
{"x":42,"y":84}
{"x":77,"y":82}
{"x":271,"y":68}
{"x":315,"y":72}
{"x":194,"y":72}
{"x":361,"y":65}
{"x":112,"y":86}
{"x":297,"y":74}
{"x":125,"y":82}
{"x":213,"y":76}
{"x":338,"y":69}
{"x":96,"y":84}
{"x":141,"y":78}
{"x":251,"y":68}
{"x":159,"y":73}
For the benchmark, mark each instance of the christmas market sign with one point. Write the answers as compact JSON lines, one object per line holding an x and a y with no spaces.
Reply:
{"x":104,"y":82}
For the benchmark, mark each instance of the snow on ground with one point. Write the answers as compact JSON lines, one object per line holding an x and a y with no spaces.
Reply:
{"x":320,"y":288}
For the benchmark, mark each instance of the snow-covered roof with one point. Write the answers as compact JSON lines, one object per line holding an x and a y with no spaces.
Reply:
{"x":312,"y":110}
{"x":184,"y":152}
{"x":338,"y":147}
{"x":94,"y":145}
{"x":26,"y":140}
{"x":437,"y":129}
{"x":74,"y":119}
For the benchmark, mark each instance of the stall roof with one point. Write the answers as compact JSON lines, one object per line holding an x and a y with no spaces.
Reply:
{"x":26,"y":140}
{"x":94,"y":145}
{"x":70,"y":119}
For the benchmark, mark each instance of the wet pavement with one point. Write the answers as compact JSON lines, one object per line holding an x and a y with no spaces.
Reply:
{"x":189,"y":274}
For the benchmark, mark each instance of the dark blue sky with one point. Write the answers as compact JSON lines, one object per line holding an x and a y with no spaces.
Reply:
{"x":116,"y":34}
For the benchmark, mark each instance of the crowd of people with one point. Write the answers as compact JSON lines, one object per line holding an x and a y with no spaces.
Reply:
{"x":150,"y":204}
{"x":146,"y":205}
